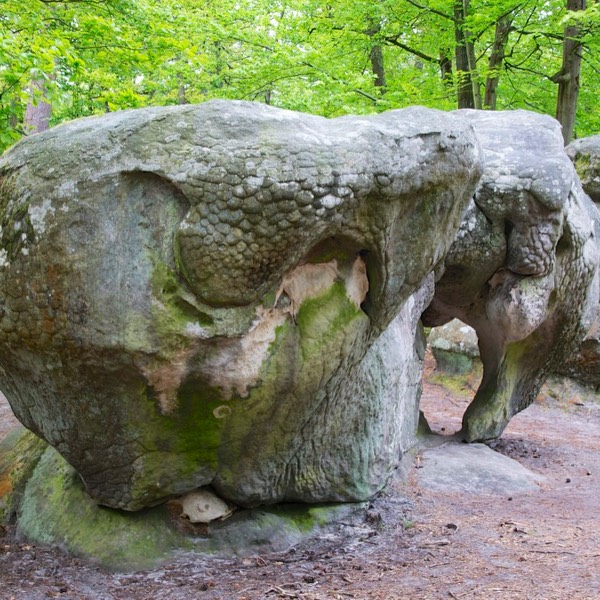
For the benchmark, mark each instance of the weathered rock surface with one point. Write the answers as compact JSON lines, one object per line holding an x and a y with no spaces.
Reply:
{"x":226,"y":295}
{"x":20,"y":452}
{"x":523,"y":269}
{"x":585,"y":154}
{"x":584,"y":365}
{"x":474,"y":469}
{"x":55,"y":510}
{"x":454,"y":346}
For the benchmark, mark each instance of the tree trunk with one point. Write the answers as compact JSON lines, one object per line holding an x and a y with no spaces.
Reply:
{"x":472,"y":61}
{"x":13,"y":118}
{"x":568,"y":77}
{"x":445,"y":68}
{"x":464,"y":86}
{"x":182,"y":93}
{"x":503,"y":27}
{"x":38,"y":111}
{"x":376,"y":57}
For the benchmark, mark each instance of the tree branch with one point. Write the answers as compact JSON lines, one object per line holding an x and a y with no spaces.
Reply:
{"x":546,"y":34}
{"x":431,"y":10}
{"x":588,"y":61}
{"x":394,"y":42}
{"x":356,"y":90}
{"x":509,"y":66}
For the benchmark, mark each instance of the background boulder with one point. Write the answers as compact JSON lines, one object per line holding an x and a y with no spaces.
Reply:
{"x":584,"y":365}
{"x":454,"y":346}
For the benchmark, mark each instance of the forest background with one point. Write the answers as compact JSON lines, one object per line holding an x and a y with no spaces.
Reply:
{"x":65,"y":59}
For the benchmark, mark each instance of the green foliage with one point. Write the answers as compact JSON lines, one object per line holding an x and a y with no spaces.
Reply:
{"x":92,"y":56}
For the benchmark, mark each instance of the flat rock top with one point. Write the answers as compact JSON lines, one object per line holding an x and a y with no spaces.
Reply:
{"x":474,"y":469}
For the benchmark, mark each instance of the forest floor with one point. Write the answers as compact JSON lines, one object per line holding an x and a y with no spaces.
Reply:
{"x":413,"y":543}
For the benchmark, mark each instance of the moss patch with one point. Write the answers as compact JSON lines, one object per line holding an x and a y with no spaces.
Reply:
{"x":582,"y":164}
{"x":452,"y":362}
{"x":325,"y":317}
{"x":56,"y":510}
{"x":459,"y":382}
{"x":19,"y":454}
{"x":263,"y":433}
{"x":275,"y":528}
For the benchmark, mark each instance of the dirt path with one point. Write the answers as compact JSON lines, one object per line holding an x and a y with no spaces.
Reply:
{"x":414,"y":544}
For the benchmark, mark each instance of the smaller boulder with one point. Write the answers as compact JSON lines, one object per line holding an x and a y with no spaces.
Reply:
{"x":584,"y":365}
{"x":454,"y":347}
{"x":20,"y":452}
{"x":475,"y":469}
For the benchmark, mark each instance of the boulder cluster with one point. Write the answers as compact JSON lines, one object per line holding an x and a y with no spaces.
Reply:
{"x":230,"y":295}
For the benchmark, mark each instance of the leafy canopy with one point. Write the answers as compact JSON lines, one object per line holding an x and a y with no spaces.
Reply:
{"x":86,"y":57}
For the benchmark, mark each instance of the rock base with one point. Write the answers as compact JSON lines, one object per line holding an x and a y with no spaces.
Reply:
{"x":47,"y":495}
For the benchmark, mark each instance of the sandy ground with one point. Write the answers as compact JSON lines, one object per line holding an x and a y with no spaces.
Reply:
{"x":414,"y":543}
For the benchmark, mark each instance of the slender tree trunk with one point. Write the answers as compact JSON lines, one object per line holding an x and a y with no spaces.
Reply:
{"x":472,"y":61}
{"x":568,"y":77}
{"x":376,"y":58}
{"x":38,"y":111}
{"x":219,"y":63}
{"x":181,"y":90}
{"x":376,"y":55}
{"x":474,"y":75}
{"x":13,"y":118}
{"x":445,"y":68}
{"x":464,"y":87}
{"x":503,"y":27}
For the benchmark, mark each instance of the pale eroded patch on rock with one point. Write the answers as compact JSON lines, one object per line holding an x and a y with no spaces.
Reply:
{"x":4,"y":262}
{"x":166,"y":377}
{"x":204,"y":506}
{"x":357,"y":285}
{"x":236,"y":364}
{"x":307,"y":281}
{"x":38,"y":214}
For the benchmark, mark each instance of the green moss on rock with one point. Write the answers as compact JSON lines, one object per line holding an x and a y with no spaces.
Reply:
{"x":56,"y":510}
{"x":259,"y":444}
{"x":20,"y":452}
{"x":275,"y":528}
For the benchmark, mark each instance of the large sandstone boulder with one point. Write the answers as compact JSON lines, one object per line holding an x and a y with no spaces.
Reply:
{"x":228,"y":294}
{"x":523,"y":269}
